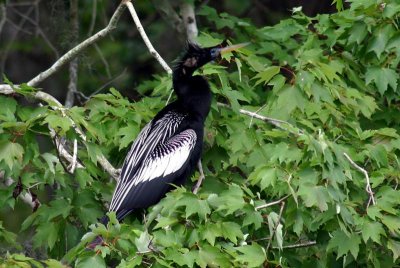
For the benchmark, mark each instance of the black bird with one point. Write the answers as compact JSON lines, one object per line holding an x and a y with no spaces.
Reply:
{"x":168,"y":148}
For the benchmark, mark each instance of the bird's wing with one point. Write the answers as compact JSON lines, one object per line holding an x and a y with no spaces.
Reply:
{"x":166,"y":158}
{"x":151,"y":135}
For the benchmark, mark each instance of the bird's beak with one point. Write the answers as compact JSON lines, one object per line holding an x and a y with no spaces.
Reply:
{"x":232,"y":48}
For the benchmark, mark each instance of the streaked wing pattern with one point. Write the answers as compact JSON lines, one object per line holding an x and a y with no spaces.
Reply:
{"x":152,"y":135}
{"x":164,"y":160}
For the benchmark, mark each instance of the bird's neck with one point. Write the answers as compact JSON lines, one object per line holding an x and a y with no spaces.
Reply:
{"x":194,"y":94}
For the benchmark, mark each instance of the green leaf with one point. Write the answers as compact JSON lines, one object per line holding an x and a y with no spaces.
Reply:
{"x":344,"y":243}
{"x":264,"y":176}
{"x":231,"y":231}
{"x":90,"y":262}
{"x":382,"y":77}
{"x":381,"y":37}
{"x":60,"y":123}
{"x":196,"y":206}
{"x":372,"y":230}
{"x":358,"y":33}
{"x":51,"y":160}
{"x":8,"y":109}
{"x":11,"y":153}
{"x":252,"y":255}
{"x":392,"y":223}
{"x":394,"y":246}
{"x":314,"y":196}
{"x":239,"y":67}
{"x":267,"y":74}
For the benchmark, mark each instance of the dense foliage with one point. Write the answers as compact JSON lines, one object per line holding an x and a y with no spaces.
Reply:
{"x":331,"y":79}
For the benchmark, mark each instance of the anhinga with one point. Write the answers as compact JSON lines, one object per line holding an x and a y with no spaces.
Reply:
{"x":168,"y":148}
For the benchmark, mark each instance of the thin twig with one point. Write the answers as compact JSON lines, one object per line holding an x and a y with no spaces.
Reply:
{"x":276,"y":122}
{"x":273,"y":203}
{"x":368,"y":188}
{"x":93,"y":20}
{"x":104,"y":60}
{"x":200,"y":179}
{"x":256,"y":112}
{"x":39,"y":31}
{"x":276,"y":225}
{"x":146,"y":40}
{"x":299,"y":245}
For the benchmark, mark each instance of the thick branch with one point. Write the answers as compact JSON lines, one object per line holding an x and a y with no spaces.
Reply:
{"x":189,"y":20}
{"x":146,"y":40}
{"x":368,"y":188}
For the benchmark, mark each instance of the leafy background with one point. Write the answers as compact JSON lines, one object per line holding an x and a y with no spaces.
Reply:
{"x":332,"y":80}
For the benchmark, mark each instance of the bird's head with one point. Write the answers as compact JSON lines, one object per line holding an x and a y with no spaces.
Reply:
{"x":195,"y":57}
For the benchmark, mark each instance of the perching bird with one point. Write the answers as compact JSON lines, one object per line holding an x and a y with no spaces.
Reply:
{"x":168,"y":148}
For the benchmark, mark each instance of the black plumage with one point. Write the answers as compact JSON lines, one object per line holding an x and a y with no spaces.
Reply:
{"x":166,"y":151}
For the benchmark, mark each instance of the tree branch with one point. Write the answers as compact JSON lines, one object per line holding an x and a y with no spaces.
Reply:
{"x":272,"y":203}
{"x":6,"y":89}
{"x":368,"y":188}
{"x":299,"y":245}
{"x":275,"y":122}
{"x":200,"y":179}
{"x":189,"y":21}
{"x":146,"y":40}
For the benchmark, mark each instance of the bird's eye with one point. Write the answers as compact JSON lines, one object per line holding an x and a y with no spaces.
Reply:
{"x":214,"y":52}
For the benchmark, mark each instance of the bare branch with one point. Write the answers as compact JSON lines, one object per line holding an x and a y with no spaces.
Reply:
{"x":74,"y":157}
{"x":146,"y":40}
{"x":6,"y":89}
{"x":368,"y":188}
{"x":272,"y":203}
{"x":189,"y":20}
{"x":276,"y":122}
{"x":103,"y":59}
{"x":200,"y":179}
{"x":299,"y":245}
